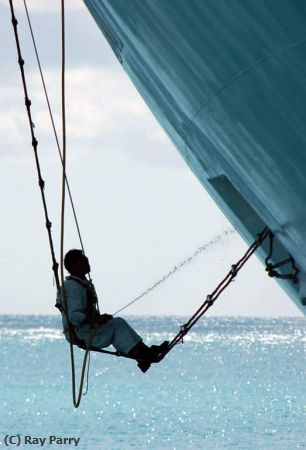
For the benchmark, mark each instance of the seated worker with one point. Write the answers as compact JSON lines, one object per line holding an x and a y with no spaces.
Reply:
{"x":84,"y":315}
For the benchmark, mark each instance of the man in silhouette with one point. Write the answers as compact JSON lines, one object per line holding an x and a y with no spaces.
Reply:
{"x":80,"y":304}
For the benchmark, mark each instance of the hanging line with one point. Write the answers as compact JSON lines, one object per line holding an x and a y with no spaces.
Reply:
{"x":63,"y":104}
{"x":41,"y":182}
{"x":53,"y":123}
{"x":211,"y":298}
{"x":76,"y":397}
{"x":85,"y":346}
{"x":271,"y":268}
{"x":178,"y":267}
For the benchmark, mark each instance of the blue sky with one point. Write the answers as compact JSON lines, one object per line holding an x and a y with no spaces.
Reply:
{"x":141,"y":209}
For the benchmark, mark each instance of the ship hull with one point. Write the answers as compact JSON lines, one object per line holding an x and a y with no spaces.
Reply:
{"x":227,"y":81}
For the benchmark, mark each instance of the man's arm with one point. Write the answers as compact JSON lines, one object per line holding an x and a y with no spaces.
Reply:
{"x":76,"y":298}
{"x":100,"y":318}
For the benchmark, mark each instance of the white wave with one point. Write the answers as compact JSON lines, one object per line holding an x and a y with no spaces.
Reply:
{"x":39,"y":333}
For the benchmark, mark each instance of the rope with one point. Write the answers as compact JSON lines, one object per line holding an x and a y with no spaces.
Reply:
{"x":55,"y":267}
{"x":211,"y":298}
{"x":41,"y":182}
{"x":53,"y":124}
{"x":87,"y":348}
{"x":63,"y":146}
{"x":76,"y":397}
{"x":270,"y":268}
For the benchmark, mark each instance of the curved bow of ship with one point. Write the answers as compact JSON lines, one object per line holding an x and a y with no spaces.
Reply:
{"x":227,"y":81}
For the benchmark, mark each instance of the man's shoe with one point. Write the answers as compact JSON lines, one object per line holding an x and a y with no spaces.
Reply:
{"x":144,"y":365}
{"x":159,"y":351}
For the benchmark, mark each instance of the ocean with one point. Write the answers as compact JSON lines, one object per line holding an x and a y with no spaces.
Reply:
{"x":235,"y":383}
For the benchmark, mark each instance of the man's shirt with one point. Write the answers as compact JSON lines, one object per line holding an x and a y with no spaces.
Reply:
{"x":81,"y":302}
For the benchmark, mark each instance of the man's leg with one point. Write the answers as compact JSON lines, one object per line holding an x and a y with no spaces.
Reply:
{"x":116,"y":332}
{"x":123,"y":337}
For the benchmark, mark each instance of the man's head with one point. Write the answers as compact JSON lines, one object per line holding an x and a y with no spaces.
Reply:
{"x":76,"y":263}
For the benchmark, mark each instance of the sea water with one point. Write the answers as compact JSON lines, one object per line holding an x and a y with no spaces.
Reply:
{"x":235,"y":383}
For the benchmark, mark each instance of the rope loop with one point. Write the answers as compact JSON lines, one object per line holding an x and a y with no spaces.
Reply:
{"x":271,"y":268}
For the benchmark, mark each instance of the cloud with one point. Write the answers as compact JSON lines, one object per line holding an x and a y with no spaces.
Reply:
{"x":103,"y":110}
{"x":10,"y":126}
{"x":99,"y":101}
{"x":94,"y":103}
{"x":104,"y":106}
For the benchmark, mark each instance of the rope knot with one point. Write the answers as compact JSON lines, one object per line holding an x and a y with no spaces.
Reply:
{"x":234,"y":270}
{"x":271,"y":273}
{"x":48,"y":225}
{"x":184,"y":330}
{"x":259,"y":239}
{"x":209,"y":300}
{"x":272,"y":268}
